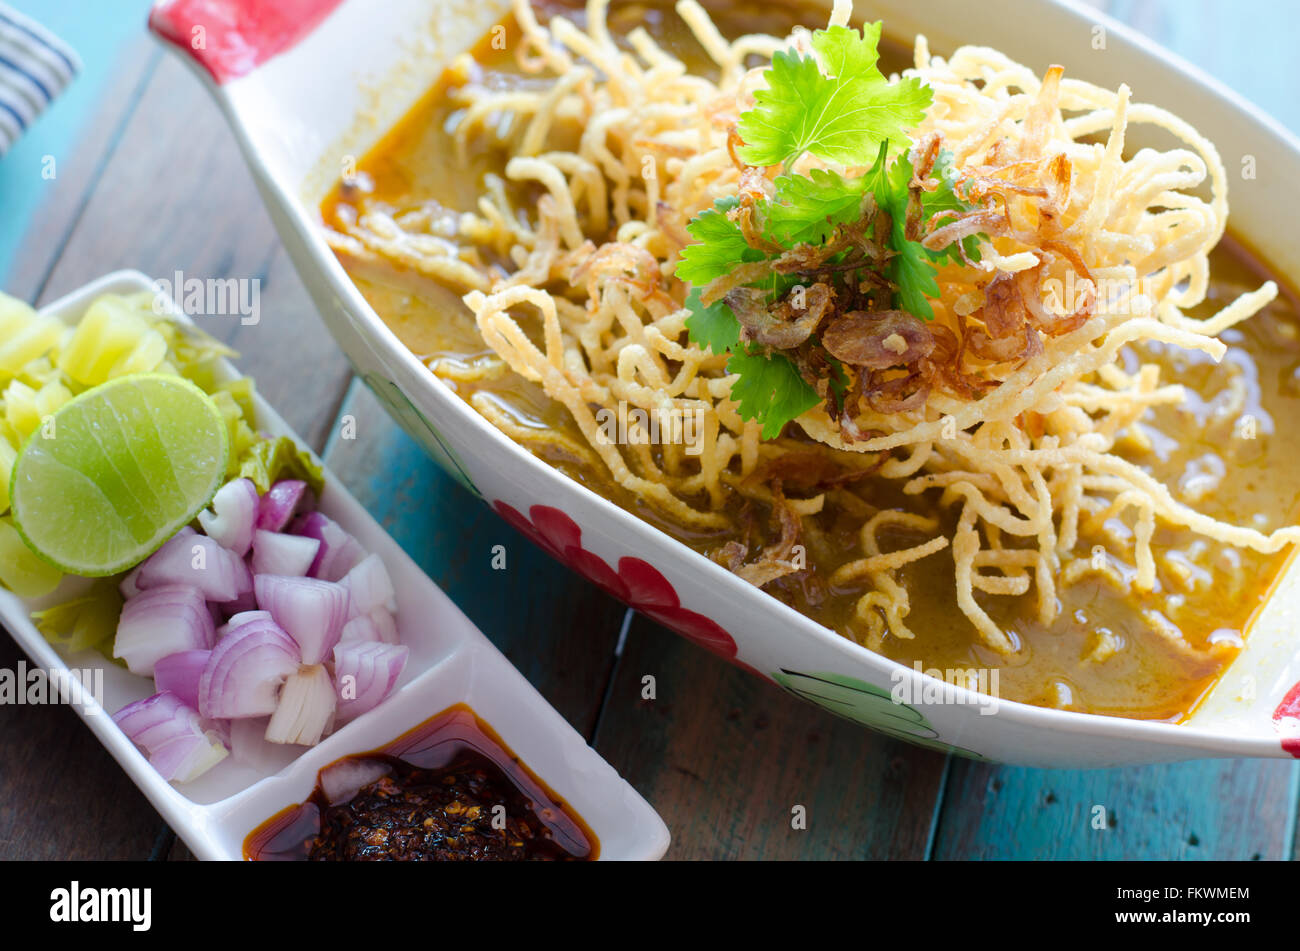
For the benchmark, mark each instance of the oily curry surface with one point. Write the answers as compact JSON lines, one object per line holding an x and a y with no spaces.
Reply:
{"x":1108,"y":651}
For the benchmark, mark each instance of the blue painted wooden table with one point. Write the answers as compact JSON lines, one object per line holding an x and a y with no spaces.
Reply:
{"x":147,"y":176}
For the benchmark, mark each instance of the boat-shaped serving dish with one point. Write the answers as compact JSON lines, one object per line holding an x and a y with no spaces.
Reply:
{"x":308,"y":86}
{"x":450,"y":663}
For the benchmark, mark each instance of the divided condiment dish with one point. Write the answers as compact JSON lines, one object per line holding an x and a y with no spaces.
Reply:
{"x":450,"y":663}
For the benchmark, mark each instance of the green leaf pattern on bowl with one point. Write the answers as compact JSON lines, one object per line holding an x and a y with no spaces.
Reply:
{"x":868,"y":705}
{"x":419,"y":428}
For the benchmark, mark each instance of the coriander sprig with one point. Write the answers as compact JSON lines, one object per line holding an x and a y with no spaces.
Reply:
{"x":836,"y":106}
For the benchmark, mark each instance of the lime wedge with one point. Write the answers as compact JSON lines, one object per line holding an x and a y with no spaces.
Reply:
{"x":117,"y":471}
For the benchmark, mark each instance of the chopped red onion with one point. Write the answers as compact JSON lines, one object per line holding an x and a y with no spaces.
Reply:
{"x":201,"y":562}
{"x":187,"y":758}
{"x":342,"y":780}
{"x":172,"y":735}
{"x":219,"y":727}
{"x":129,"y":586}
{"x":159,"y":622}
{"x":152,"y":720}
{"x":306,"y":708}
{"x":240,"y":619}
{"x":243,"y":676}
{"x":369,"y":587}
{"x":365,"y":673}
{"x":233,"y":516}
{"x":378,"y":625}
{"x":179,"y":673}
{"x":276,"y":554}
{"x":313,"y":600}
{"x":311,"y":611}
{"x":244,"y":603}
{"x":281,"y":503}
{"x":339,"y":552}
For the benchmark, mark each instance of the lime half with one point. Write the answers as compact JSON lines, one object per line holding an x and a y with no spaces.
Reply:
{"x":117,"y":471}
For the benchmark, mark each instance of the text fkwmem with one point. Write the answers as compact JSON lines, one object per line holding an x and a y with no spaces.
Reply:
{"x":75,"y":903}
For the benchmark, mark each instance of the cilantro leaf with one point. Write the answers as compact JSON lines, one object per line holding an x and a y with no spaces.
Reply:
{"x":720,"y":245}
{"x":769,"y":390}
{"x":844,"y":51}
{"x":835,"y":104}
{"x":884,"y":112}
{"x":910,"y":268}
{"x":806,"y":209}
{"x":786,"y":116}
{"x":715,"y":326}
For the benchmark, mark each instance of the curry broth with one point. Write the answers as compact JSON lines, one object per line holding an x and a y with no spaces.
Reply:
{"x":1206,"y":591}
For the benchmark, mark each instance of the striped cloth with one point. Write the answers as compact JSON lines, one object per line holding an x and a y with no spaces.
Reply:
{"x":35,"y":66}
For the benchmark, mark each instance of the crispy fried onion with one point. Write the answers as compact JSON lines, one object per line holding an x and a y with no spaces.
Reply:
{"x":775,"y":560}
{"x":878,"y":341}
{"x":811,"y":473}
{"x":784,"y":325}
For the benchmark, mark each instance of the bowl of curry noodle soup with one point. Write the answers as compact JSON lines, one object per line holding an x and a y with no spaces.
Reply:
{"x":909,"y":360}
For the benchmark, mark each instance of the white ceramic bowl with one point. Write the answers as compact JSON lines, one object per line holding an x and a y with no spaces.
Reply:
{"x":303,"y":98}
{"x":450,"y":662}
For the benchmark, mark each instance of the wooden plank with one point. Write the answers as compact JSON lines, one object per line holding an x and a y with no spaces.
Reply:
{"x":1206,"y":810}
{"x":177,"y":851}
{"x":61,"y":795}
{"x":557,"y":628}
{"x":726,"y":757}
{"x":298,"y":367}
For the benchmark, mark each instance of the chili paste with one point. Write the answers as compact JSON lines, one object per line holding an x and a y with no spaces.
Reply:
{"x":452,"y":792}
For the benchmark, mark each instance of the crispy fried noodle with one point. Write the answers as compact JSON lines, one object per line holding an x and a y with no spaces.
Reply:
{"x":1083,"y":253}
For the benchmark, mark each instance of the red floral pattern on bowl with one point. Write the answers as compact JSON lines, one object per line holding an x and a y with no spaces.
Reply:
{"x":637,"y":583}
{"x":1286,"y":714}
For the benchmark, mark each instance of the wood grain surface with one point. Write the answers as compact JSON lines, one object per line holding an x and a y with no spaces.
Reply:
{"x":152,"y":180}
